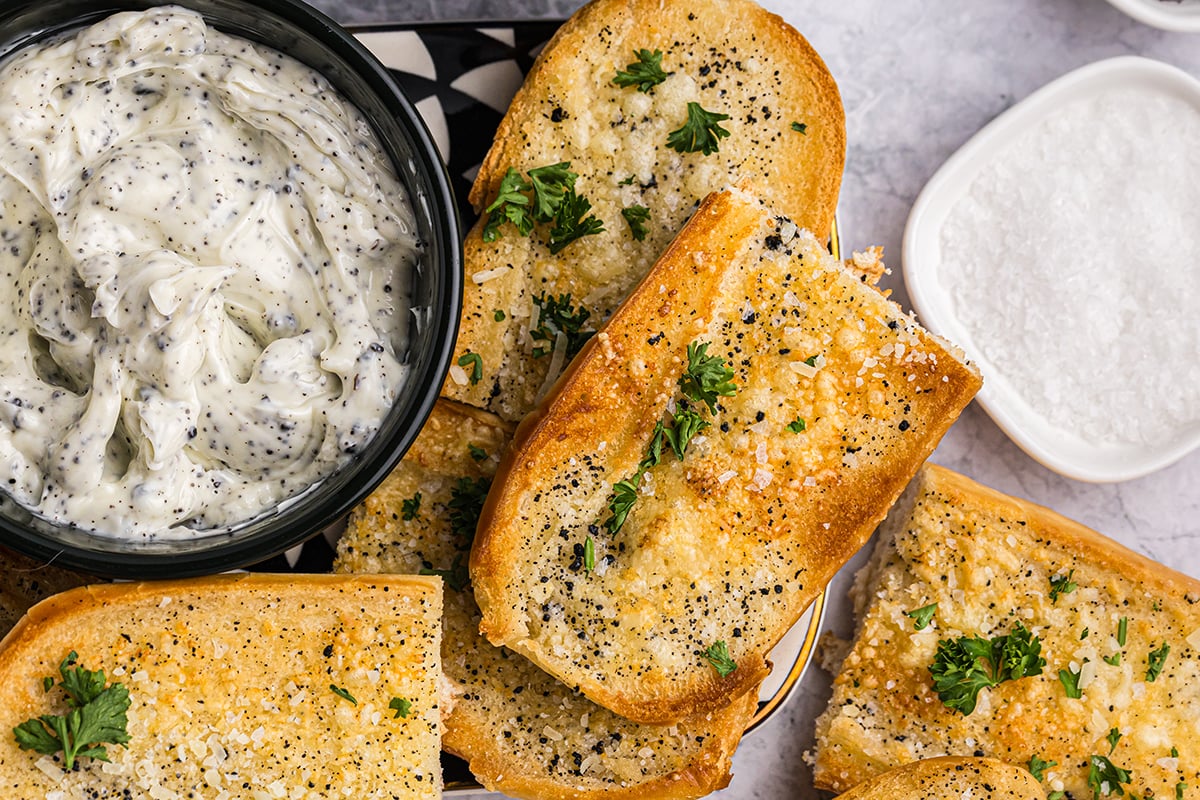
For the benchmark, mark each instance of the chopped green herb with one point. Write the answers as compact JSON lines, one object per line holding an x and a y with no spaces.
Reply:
{"x":800,"y":127}
{"x":1084,"y":635}
{"x":624,"y":496}
{"x":475,"y":362}
{"x":1106,"y":778}
{"x":811,"y":361}
{"x":706,"y":377}
{"x":466,"y":502}
{"x":558,"y":315}
{"x":342,"y":693}
{"x":410,"y":509}
{"x":1056,"y":795}
{"x":1114,"y":660}
{"x":551,"y":184}
{"x":1156,"y":606}
{"x":1062,"y":584}
{"x":1174,"y":752}
{"x":922,"y":616}
{"x":589,"y":554}
{"x":687,"y":423}
{"x":962,"y":667}
{"x":628,"y":181}
{"x":458,"y":577}
{"x":1070,"y":681}
{"x":1122,"y":630}
{"x":645,"y":73}
{"x":796,"y":426}
{"x":701,"y":133}
{"x":47,"y":683}
{"x":1180,"y":788}
{"x":1113,"y":737}
{"x":97,"y":717}
{"x":572,"y":223}
{"x":1155,"y":661}
{"x":477,"y":452}
{"x":718,"y":656}
{"x":1038,"y":767}
{"x":498,"y":315}
{"x":636,"y":216}
{"x":401,"y":706}
{"x":510,"y":205}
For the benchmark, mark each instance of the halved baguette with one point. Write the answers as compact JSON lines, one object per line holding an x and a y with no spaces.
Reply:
{"x":950,"y":778}
{"x":731,"y":57}
{"x":986,"y":560}
{"x":733,"y":543}
{"x":522,"y":732}
{"x":230,"y":681}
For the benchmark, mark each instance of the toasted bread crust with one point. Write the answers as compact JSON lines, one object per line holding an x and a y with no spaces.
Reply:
{"x":738,"y":538}
{"x":986,"y":559}
{"x":229,"y":680}
{"x":730,"y":56}
{"x":951,"y":778}
{"x":509,"y":710}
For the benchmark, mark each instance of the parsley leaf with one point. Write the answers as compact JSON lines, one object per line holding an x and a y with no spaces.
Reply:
{"x":557,"y":315}
{"x":1038,"y":767}
{"x":410,"y":509}
{"x":1062,"y":584}
{"x":1106,"y":777}
{"x":342,"y":693}
{"x":797,"y":425}
{"x":922,"y":616}
{"x":687,"y":423}
{"x":964,"y":666}
{"x":1180,"y":788}
{"x":477,"y":452}
{"x":1114,"y":660}
{"x":1113,"y":737}
{"x":475,"y":362}
{"x":701,"y":133}
{"x":510,"y":205}
{"x":570,"y":222}
{"x":1070,"y":681}
{"x":589,"y":554}
{"x":645,"y":73}
{"x":550,"y":186}
{"x":636,"y":216}
{"x":466,"y":502}
{"x":1122,"y":630}
{"x":706,"y":377}
{"x":97,"y":716}
{"x":458,"y":577}
{"x":800,"y":127}
{"x":498,"y":315}
{"x":1155,"y":661}
{"x":1056,"y":796}
{"x":401,"y":706}
{"x":627,"y":181}
{"x":624,"y":496}
{"x":718,"y":656}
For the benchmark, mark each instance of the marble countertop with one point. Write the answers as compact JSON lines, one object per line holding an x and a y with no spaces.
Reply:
{"x":917,"y":80}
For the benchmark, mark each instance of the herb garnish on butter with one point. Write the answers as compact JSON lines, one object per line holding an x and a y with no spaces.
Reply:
{"x":1155,"y":661}
{"x":1062,"y":584}
{"x":1105,"y":777}
{"x":475,"y":362}
{"x":700,"y":134}
{"x":964,"y":666}
{"x":342,"y":693}
{"x":559,"y":315}
{"x":922,"y":616}
{"x":1037,"y":767}
{"x":97,"y":716}
{"x":1070,"y":681}
{"x":401,"y":706}
{"x":410,"y":508}
{"x":645,"y":73}
{"x":718,"y":656}
{"x":636,"y":216}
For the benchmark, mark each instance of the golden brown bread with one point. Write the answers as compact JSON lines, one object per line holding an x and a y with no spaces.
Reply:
{"x":522,"y":732}
{"x":732,"y":543}
{"x":230,"y":683}
{"x":986,"y":560}
{"x":950,"y":778}
{"x":731,"y":57}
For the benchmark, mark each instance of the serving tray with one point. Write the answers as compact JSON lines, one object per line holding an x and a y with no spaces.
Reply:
{"x":461,"y":78}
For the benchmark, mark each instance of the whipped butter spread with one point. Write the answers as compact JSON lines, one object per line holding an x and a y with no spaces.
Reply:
{"x":205,"y":260}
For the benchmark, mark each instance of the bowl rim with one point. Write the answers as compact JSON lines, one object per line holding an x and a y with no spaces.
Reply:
{"x":1167,"y":16}
{"x":1059,"y":450}
{"x":225,"y":551}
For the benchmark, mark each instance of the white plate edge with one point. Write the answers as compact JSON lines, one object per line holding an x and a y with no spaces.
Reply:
{"x":1162,"y":15}
{"x":952,"y":178}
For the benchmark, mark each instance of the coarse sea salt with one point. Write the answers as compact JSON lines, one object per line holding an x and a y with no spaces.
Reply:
{"x":1073,"y":260}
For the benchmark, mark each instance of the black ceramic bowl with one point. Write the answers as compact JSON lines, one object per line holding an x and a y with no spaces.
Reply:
{"x":308,"y":35}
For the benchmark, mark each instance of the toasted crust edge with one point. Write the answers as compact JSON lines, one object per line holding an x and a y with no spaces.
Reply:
{"x":934,"y":779}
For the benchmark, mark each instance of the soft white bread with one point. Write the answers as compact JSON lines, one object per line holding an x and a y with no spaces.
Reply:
{"x":987,"y":560}
{"x":522,"y":732}
{"x":950,"y":778}
{"x":732,"y":543}
{"x":731,"y":57}
{"x":230,"y":680}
